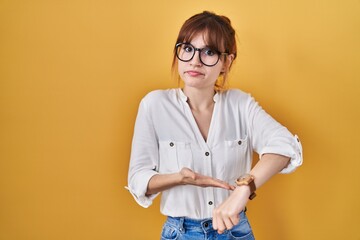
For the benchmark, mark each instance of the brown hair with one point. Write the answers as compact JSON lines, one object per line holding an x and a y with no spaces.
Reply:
{"x":220,"y":36}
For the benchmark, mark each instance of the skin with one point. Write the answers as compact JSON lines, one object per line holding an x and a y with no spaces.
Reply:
{"x":199,"y":83}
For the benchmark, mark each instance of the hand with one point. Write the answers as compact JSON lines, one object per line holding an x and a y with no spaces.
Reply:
{"x":226,"y":215}
{"x":193,"y":178}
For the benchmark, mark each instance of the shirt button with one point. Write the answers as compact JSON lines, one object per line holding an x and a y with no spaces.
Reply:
{"x":210,"y":203}
{"x":239,"y":142}
{"x":207,"y":153}
{"x":171,"y":144}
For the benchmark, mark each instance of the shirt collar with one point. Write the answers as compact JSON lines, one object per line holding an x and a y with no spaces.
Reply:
{"x":216,"y":97}
{"x":182,"y":95}
{"x":184,"y":98}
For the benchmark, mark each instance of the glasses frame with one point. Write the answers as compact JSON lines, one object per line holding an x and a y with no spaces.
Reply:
{"x":198,"y":49}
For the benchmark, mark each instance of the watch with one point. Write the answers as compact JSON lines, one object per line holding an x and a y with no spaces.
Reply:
{"x":247,"y":180}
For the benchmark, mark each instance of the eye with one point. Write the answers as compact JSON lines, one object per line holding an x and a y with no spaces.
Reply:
{"x":188,"y":48}
{"x":208,"y":52}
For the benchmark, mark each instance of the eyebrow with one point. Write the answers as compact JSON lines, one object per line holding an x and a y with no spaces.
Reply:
{"x":205,"y":46}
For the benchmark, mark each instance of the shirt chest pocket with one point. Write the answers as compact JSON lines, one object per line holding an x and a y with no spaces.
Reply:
{"x":236,"y":156}
{"x":174,"y":156}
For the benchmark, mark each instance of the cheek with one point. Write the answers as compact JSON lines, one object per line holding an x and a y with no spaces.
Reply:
{"x":215,"y":72}
{"x":180,"y":67}
{"x":180,"y":70}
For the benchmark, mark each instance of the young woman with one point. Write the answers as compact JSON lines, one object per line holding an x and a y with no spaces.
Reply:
{"x":195,"y":144}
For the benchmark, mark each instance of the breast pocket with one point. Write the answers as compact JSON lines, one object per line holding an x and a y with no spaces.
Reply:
{"x":174,"y":156}
{"x":236,"y":156}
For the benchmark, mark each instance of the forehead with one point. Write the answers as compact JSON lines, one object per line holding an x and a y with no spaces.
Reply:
{"x":204,"y":37}
{"x":198,"y":40}
{"x":199,"y":35}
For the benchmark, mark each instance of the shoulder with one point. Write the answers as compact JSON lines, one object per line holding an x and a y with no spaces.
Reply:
{"x":236,"y":96}
{"x":159,"y":96}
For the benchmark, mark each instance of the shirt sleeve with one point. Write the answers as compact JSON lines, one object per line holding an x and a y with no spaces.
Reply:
{"x":144,"y":157}
{"x":269,"y":136}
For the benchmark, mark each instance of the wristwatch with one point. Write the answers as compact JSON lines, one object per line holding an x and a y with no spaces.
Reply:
{"x":247,"y":180}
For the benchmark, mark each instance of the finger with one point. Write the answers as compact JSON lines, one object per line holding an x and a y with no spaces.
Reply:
{"x":228,"y":223}
{"x":221,"y":184}
{"x":192,"y":175}
{"x":212,"y":182}
{"x":218,"y":224}
{"x":216,"y":184}
{"x":214,"y":221}
{"x":235,"y":219}
{"x":189,"y":173}
{"x":209,"y":181}
{"x":216,"y":218}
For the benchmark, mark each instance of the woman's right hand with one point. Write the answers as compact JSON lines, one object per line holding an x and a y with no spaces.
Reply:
{"x":186,"y":176}
{"x":189,"y":177}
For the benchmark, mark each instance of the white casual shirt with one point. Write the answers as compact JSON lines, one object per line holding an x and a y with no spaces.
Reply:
{"x":167,"y":138}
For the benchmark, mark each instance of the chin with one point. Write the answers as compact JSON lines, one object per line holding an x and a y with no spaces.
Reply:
{"x":199,"y":83}
{"x":193,"y":84}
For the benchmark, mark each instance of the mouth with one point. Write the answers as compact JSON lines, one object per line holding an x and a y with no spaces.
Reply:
{"x":194,"y":73}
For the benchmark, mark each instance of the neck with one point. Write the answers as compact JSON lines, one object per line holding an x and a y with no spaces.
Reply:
{"x":200,"y":99}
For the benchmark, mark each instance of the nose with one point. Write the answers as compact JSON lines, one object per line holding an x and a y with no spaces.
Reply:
{"x":196,"y":58}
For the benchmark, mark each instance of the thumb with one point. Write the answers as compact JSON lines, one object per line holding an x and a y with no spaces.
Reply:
{"x":188,"y":173}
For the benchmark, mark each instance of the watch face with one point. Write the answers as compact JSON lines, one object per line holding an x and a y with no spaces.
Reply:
{"x":245,"y":179}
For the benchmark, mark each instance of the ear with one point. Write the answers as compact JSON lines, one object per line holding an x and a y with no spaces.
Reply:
{"x":229,"y":59}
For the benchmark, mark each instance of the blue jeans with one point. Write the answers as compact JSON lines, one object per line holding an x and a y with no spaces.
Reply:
{"x":182,"y":228}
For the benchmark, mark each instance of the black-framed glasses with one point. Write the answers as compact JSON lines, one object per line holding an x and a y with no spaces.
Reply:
{"x":209,"y":57}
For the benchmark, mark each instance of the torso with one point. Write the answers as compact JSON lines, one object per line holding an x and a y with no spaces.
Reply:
{"x":170,"y":136}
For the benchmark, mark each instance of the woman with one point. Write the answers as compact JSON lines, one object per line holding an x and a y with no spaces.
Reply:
{"x":195,"y":144}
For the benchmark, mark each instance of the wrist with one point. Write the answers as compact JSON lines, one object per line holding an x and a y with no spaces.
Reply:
{"x":243,"y":190}
{"x":241,"y":194}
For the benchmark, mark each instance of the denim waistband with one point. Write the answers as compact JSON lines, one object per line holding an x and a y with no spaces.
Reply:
{"x":203,"y":225}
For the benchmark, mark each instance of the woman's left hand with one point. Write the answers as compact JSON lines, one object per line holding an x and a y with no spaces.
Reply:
{"x":226,"y":215}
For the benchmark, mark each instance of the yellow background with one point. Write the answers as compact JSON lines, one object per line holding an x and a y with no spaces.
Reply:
{"x":72,"y":74}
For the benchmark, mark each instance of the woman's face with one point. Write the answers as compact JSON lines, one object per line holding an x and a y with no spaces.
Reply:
{"x":194,"y":73}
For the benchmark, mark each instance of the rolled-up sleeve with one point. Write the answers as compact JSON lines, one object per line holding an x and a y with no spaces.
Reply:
{"x":269,"y":136}
{"x":144,"y":157}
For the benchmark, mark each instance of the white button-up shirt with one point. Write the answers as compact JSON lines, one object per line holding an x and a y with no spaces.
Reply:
{"x":167,"y":138}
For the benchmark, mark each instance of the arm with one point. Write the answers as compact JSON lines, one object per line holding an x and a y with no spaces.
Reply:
{"x":268,"y":166}
{"x":186,"y":176}
{"x":280,"y":151}
{"x":226,"y":215}
{"x":144,"y":156}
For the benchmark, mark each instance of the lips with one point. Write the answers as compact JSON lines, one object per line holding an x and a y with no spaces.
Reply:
{"x":194,"y":73}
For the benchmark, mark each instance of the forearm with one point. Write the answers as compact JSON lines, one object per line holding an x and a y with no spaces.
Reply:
{"x":186,"y":176}
{"x":269,"y":165}
{"x":161,"y":182}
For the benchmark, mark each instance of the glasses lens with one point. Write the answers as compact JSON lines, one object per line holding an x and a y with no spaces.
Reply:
{"x":185,"y":52}
{"x":209,"y":57}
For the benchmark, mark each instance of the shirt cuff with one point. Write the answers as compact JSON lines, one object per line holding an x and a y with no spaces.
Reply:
{"x":143,"y":201}
{"x":139,"y":191}
{"x":292,"y":150}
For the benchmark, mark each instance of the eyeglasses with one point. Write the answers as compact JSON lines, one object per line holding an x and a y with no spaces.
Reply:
{"x":209,"y":57}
